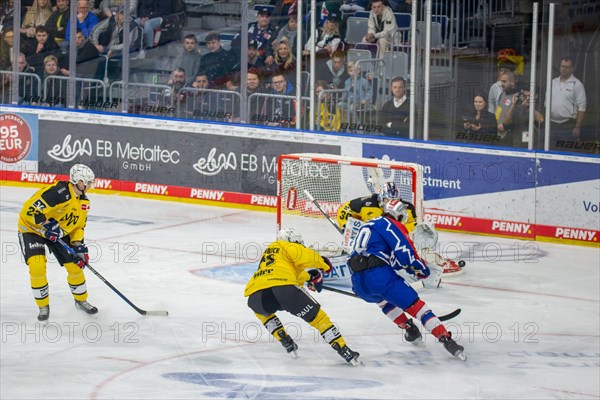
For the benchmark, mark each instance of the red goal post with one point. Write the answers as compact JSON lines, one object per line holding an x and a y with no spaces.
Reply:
{"x":333,"y":180}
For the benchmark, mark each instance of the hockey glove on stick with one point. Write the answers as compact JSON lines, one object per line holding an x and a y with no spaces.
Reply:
{"x":315,"y":283}
{"x":51,"y":230}
{"x":80,"y":256}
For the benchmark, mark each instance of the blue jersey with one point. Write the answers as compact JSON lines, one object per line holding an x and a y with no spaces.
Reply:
{"x":388,"y":240}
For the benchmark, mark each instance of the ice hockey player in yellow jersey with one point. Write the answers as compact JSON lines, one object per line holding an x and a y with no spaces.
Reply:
{"x":277,"y":285}
{"x":367,"y":208}
{"x":58,"y":211}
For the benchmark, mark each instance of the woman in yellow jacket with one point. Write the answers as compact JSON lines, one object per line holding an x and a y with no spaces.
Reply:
{"x":277,"y":285}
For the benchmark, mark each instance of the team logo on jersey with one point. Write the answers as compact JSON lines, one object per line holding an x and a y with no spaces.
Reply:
{"x":85,"y":207}
{"x":39,"y":204}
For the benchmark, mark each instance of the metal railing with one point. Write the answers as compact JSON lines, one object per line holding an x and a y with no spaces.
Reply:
{"x":89,"y":93}
{"x":208,"y":105}
{"x":30,"y":88}
{"x":145,"y":98}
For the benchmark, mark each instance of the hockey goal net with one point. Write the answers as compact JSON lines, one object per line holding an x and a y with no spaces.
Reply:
{"x":333,"y":180}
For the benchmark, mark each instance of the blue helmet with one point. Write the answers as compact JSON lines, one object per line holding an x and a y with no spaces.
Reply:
{"x":389,"y":191}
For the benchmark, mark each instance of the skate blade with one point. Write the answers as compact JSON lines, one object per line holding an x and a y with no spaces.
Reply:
{"x":461,"y":355}
{"x":294,"y":354}
{"x":418,"y":343}
{"x":356,"y":362}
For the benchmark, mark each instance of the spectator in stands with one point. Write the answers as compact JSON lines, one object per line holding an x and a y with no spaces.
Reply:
{"x":516,"y":120}
{"x":325,"y":41}
{"x":336,"y":71}
{"x":58,"y":20}
{"x":285,"y":62}
{"x":351,"y":6}
{"x":394,"y":115}
{"x":218,"y":63}
{"x":356,"y":97}
{"x":288,"y":32}
{"x":509,"y":87}
{"x":280,"y":111}
{"x":107,"y":36}
{"x":85,"y":51}
{"x":85,"y":22}
{"x":202,"y":104}
{"x":253,"y":86}
{"x":55,"y":91}
{"x":381,"y":26}
{"x":36,"y":16}
{"x":44,"y":46}
{"x":283,"y":13}
{"x":329,"y":116}
{"x":496,"y":88}
{"x":176,"y":82}
{"x":110,"y":7}
{"x":568,"y":104}
{"x":189,"y":58}
{"x":28,"y":85}
{"x":6,"y":49}
{"x":479,"y":120}
{"x":260,"y":31}
{"x":7,"y":11}
{"x":254,"y":59}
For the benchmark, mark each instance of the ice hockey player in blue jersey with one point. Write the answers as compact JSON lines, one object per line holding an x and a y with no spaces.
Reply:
{"x":381,"y":247}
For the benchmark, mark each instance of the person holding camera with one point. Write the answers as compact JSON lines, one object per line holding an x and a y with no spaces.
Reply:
{"x":516,"y":119}
{"x":482,"y":121}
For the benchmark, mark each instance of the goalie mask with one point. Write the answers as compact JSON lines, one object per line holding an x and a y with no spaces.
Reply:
{"x":290,"y":235}
{"x":389,"y":191}
{"x":83,"y":173}
{"x":396,"y":209}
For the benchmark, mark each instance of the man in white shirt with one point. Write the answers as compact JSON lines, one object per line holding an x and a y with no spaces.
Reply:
{"x":381,"y":26}
{"x":568,"y":104}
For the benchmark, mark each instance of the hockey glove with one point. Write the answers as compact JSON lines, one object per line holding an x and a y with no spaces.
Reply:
{"x":315,"y":283}
{"x":328,"y":262}
{"x":81,"y":256}
{"x":51,"y":230}
{"x":419,"y":273}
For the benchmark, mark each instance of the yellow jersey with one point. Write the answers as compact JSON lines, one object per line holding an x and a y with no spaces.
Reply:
{"x":368,"y":208}
{"x":284,"y":263}
{"x":60,"y":202}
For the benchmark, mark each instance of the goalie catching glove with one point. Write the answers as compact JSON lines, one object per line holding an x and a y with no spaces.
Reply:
{"x":315,"y":282}
{"x":80,"y":256}
{"x":51,"y":230}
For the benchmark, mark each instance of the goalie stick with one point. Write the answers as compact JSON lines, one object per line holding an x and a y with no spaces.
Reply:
{"x":442,"y":318}
{"x":316,"y":203}
{"x":114,"y":289}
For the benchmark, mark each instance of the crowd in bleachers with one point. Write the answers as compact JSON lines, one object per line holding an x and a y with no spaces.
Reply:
{"x":362,"y":52}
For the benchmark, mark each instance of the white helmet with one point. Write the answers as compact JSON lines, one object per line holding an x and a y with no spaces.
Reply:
{"x":396,"y":209}
{"x":80,"y":172}
{"x":290,"y":235}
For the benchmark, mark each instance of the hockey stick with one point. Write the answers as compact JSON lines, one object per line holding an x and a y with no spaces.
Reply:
{"x":444,"y":317}
{"x":316,"y":203}
{"x":114,"y":289}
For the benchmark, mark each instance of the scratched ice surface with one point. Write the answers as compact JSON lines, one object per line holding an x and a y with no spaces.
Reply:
{"x":530,"y":319}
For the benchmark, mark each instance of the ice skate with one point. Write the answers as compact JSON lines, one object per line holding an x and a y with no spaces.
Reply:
{"x":288,"y":343}
{"x":347,"y":354}
{"x":44,"y":314}
{"x":85,"y":306}
{"x":412,"y":333}
{"x":453,"y":348}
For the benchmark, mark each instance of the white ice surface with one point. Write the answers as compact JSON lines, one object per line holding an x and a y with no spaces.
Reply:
{"x":529,"y":322}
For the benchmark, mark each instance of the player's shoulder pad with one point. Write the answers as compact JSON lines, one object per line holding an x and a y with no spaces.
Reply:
{"x":368,"y":201}
{"x":57,"y":194}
